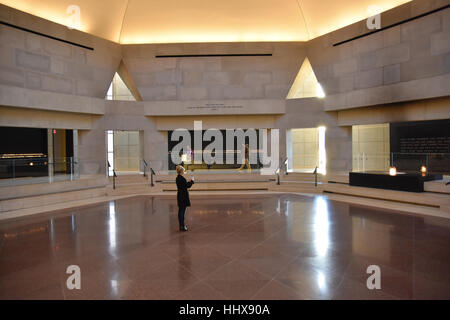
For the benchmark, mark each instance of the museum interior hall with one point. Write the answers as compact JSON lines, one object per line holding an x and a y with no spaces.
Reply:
{"x":238,"y":149}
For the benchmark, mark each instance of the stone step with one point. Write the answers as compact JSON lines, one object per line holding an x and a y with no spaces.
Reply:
{"x":223,"y":185}
{"x":120,"y":184}
{"x":438,"y":186}
{"x":298,"y":176}
{"x":297,"y":186}
{"x":445,"y":208}
{"x":422,"y":198}
{"x":132,"y":189}
{"x":295,"y":183}
{"x":390,"y":205}
{"x":46,"y":199}
{"x":37,"y":189}
{"x":202,"y":177}
{"x":129,"y":178}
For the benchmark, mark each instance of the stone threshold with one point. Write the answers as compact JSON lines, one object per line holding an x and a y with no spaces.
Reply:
{"x":389,"y":206}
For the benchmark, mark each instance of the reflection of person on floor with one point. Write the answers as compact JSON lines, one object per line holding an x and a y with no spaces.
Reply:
{"x":182,"y":196}
{"x":246,"y":161}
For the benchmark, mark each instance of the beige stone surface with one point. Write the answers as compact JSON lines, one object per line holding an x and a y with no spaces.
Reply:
{"x":430,"y":109}
{"x":198,"y":78}
{"x":42,"y":100}
{"x":371,"y":147}
{"x":424,"y":198}
{"x":438,"y":186}
{"x":218,"y":122}
{"x":28,"y":190}
{"x":381,"y":78}
{"x":215,"y":107}
{"x":59,"y":66}
{"x":404,"y":63}
{"x":42,"y":200}
{"x":32,"y":118}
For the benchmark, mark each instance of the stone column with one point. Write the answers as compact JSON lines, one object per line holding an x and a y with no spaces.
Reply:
{"x":142,"y":151}
{"x":50,"y":155}
{"x":76,"y":164}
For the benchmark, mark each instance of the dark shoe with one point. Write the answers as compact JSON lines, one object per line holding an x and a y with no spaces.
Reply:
{"x":183,"y":228}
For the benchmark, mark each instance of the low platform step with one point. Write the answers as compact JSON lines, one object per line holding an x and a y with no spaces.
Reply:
{"x":132,"y":188}
{"x":38,"y":189}
{"x":424,"y":198}
{"x":445,"y":208}
{"x":132,"y":178}
{"x":439,"y":186}
{"x":223,"y":177}
{"x":297,"y":186}
{"x":47,"y":199}
{"x":221,"y":185}
{"x":299,"y":176}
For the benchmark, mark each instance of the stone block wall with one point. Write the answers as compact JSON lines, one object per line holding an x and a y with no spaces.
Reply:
{"x":214,"y":78}
{"x":406,"y":62}
{"x":35,"y":62}
{"x":127,"y":116}
{"x":309,"y":113}
{"x":400,"y":64}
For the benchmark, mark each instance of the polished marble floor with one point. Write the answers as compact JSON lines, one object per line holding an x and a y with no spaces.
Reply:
{"x":266,"y":247}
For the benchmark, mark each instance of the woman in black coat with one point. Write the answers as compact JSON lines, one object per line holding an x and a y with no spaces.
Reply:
{"x":182,"y":196}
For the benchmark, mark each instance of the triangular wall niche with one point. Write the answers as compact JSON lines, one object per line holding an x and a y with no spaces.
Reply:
{"x":305,"y":84}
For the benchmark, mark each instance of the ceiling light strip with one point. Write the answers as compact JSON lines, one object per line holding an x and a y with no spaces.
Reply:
{"x":46,"y":35}
{"x":215,"y":55}
{"x":392,"y":25}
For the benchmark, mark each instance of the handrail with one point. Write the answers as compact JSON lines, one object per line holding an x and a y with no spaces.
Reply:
{"x":145,"y":167}
{"x":152,"y":174}
{"x":277,"y":172}
{"x":315,"y":176}
{"x":114,"y":179}
{"x":114,"y":176}
{"x":286,"y":162}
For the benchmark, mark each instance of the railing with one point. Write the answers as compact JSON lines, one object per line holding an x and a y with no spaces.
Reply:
{"x":406,"y":162}
{"x":277,"y":172}
{"x":434,"y":162}
{"x":286,"y":164}
{"x":363,"y":162}
{"x":315,"y":176}
{"x":152,"y":173}
{"x":114,"y":176}
{"x":145,"y":166}
{"x":29,"y":170}
{"x":151,"y":177}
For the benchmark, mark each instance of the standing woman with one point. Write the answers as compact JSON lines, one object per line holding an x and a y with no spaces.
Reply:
{"x":182,"y":196}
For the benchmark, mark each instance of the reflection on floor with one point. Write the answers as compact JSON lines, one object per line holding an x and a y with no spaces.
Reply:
{"x":272,"y":247}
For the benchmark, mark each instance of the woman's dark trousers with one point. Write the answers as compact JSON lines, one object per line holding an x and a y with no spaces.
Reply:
{"x":181,"y":212}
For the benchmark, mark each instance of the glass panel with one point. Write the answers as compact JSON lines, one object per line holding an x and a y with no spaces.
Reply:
{"x":438,"y":163}
{"x":305,"y":151}
{"x":32,"y":170}
{"x":370,"y":147}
